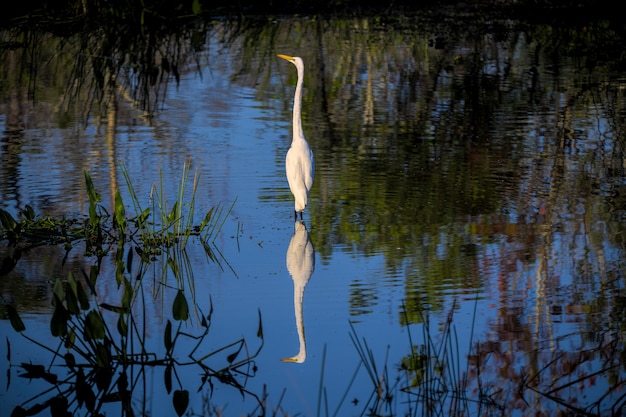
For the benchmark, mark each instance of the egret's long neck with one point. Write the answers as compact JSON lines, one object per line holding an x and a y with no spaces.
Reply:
{"x":297,"y":106}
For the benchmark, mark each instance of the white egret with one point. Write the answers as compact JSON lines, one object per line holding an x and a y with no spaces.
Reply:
{"x":300,"y":261}
{"x":299,"y":163}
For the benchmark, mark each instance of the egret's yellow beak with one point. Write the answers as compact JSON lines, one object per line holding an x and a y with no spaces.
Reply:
{"x":289,"y":359}
{"x":287,"y":57}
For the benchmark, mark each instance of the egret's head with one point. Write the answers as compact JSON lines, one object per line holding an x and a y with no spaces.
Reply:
{"x":295,"y":60}
{"x":287,"y":57}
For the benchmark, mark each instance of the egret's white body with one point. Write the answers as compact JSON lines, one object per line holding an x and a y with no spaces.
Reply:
{"x":299,"y":163}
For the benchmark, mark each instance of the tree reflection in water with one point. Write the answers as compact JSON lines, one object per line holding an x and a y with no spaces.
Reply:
{"x":474,"y":158}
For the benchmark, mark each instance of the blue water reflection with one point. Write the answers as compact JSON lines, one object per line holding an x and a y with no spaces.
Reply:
{"x":465,"y":202}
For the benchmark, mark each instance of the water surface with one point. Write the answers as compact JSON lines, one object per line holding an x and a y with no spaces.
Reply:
{"x":467,"y":202}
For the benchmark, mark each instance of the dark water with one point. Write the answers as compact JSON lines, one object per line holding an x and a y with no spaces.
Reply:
{"x":467,"y":214}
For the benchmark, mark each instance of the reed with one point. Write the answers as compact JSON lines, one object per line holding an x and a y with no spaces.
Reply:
{"x":151,"y":229}
{"x":173,"y":223}
{"x":430,"y":380}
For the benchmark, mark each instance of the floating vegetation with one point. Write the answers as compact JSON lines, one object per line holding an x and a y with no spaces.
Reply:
{"x":150,"y":230}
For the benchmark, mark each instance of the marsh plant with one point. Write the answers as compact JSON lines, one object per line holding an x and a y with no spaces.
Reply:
{"x":430,"y":380}
{"x":151,"y":230}
{"x":103,"y":357}
{"x":444,"y":374}
{"x":102,"y":352}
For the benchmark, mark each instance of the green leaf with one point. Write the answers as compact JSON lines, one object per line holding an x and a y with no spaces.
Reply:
{"x":70,"y":339}
{"x":8,"y":222}
{"x":173,"y":214}
{"x":120,"y":213}
{"x":120,"y":266}
{"x":207,"y":219}
{"x":70,"y":360}
{"x":16,"y":321}
{"x":71,"y":297}
{"x":94,"y":326}
{"x":72,"y":303}
{"x":58,"y":292}
{"x":167,"y":337}
{"x":167,"y":377}
{"x":103,"y":356}
{"x":141,"y":219}
{"x":181,"y":401}
{"x":94,"y":198}
{"x":84,"y":392}
{"x":180,"y":309}
{"x":122,"y":326}
{"x":58,"y":323}
{"x":93,"y":277}
{"x":129,"y":293}
{"x":103,"y":378}
{"x":29,"y":213}
{"x":82,"y":296}
{"x":115,"y":309}
{"x":119,"y":274}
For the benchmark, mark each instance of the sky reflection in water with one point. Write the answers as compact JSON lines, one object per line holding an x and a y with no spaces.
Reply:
{"x":447,"y":195}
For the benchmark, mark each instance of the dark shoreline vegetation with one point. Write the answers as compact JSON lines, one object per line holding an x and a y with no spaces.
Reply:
{"x":123,"y":35}
{"x":72,"y":14}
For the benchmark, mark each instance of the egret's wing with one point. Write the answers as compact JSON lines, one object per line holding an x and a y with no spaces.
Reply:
{"x":293,"y":169}
{"x":295,"y":177}
{"x":309,"y":169}
{"x":299,"y":169}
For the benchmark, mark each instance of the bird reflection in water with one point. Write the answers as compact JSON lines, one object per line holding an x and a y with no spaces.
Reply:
{"x":300,"y":264}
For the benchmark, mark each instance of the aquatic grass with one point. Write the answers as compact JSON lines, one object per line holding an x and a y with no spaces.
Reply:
{"x":430,"y":380}
{"x":97,"y":364}
{"x":164,"y":230}
{"x":164,"y":238}
{"x":605,"y":398}
{"x":175,"y":224}
{"x":433,"y":374}
{"x":321,"y":386}
{"x":344,"y":396}
{"x":214,"y":221}
{"x":179,"y":221}
{"x":142,"y":215}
